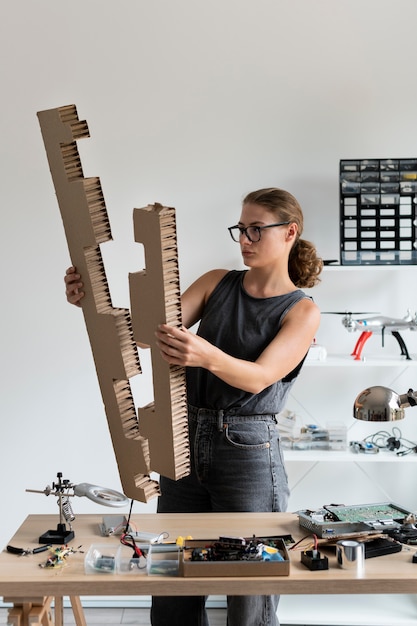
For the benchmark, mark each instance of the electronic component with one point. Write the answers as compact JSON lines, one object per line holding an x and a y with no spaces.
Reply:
{"x":380,"y":546}
{"x":314,"y":561}
{"x":336,"y":520}
{"x":114,"y":525}
{"x":239,"y":549}
{"x":57,"y":556}
{"x":105,"y":563}
{"x":232,"y":542}
{"x":407,"y":533}
{"x":367,"y":447}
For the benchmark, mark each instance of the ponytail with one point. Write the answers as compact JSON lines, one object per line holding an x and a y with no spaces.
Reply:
{"x":304,"y":266}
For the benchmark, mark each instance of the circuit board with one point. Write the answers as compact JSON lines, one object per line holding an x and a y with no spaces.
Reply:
{"x":366,"y":513}
{"x":340,"y":520}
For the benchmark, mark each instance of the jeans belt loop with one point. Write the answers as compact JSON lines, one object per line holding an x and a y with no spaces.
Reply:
{"x":220,"y":415}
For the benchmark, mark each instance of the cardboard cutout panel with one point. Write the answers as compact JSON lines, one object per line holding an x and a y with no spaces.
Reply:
{"x":164,"y":422}
{"x":86,"y":225}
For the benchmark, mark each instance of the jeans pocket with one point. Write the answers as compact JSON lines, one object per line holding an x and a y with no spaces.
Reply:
{"x":252,"y":435}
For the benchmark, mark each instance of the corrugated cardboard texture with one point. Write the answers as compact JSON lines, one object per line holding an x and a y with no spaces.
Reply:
{"x":86,"y":225}
{"x":164,"y":423}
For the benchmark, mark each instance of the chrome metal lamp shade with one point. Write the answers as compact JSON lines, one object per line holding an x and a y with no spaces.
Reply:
{"x":381,"y":404}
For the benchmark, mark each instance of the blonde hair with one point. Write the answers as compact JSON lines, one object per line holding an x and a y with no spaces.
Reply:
{"x":304,"y":265}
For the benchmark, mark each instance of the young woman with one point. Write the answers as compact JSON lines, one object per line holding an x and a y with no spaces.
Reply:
{"x":255,"y":329}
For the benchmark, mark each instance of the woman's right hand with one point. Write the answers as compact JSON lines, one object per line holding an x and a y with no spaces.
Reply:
{"x":73,"y":286}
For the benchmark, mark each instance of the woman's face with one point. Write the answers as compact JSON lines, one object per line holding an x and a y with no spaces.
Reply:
{"x":275,"y":242}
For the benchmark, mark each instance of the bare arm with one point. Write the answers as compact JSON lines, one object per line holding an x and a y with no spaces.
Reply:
{"x":192,"y":300}
{"x":195,"y":297}
{"x":74,"y":291}
{"x":281,"y":356}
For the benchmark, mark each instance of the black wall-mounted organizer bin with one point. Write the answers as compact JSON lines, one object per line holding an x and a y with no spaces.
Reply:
{"x":378,"y":203}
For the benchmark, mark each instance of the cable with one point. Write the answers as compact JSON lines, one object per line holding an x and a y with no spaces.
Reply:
{"x":312,"y":545}
{"x":407,"y":450}
{"x":392,"y":441}
{"x":380,"y":438}
{"x":138,"y":557}
{"x":129,"y":516}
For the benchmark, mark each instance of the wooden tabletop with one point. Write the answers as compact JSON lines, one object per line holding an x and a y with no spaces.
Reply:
{"x":22,"y":576}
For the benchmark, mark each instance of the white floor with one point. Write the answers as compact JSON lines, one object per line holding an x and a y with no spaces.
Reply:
{"x":120,"y":617}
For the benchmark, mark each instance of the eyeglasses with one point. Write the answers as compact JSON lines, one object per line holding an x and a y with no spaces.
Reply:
{"x":253,"y":233}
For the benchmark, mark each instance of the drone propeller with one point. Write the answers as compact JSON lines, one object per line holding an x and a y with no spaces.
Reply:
{"x":350,"y":312}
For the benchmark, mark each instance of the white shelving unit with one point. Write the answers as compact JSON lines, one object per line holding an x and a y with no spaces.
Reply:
{"x":345,"y":360}
{"x":324,"y":392}
{"x":346,"y":456}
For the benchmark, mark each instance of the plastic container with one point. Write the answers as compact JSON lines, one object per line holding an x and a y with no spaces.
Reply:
{"x":163,"y":559}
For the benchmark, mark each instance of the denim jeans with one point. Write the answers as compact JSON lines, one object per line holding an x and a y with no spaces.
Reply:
{"x":236,"y":466}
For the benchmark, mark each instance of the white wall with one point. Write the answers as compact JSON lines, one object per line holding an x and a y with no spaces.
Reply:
{"x":191,"y":104}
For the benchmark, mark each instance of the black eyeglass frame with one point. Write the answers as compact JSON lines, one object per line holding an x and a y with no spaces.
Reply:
{"x":244,"y":230}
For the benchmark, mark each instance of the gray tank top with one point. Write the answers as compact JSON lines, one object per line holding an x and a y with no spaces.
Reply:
{"x":241,"y":326}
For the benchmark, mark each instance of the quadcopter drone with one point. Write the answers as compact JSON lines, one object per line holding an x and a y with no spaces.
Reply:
{"x":378,"y":324}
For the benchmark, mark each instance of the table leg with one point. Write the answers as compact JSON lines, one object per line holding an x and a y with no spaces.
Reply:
{"x":19,"y":614}
{"x":41,"y":615}
{"x":78,"y":611}
{"x":59,"y":611}
{"x":15,"y":616}
{"x":37,"y":611}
